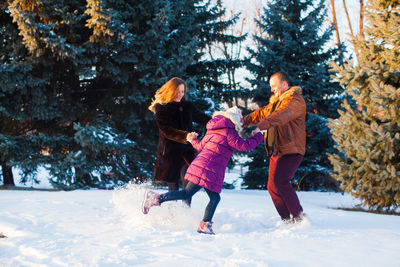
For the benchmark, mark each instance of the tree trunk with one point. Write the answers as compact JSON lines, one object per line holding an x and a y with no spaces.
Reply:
{"x":348,"y":19}
{"x":336,"y":29}
{"x":362,"y":18}
{"x":83,"y":179}
{"x":334,"y":22}
{"x":7,"y":175}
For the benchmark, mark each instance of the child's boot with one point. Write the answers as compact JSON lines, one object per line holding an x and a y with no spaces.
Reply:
{"x":205,"y":228}
{"x":150,"y":199}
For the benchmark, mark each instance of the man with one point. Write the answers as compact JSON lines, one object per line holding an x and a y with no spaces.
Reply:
{"x":284,"y":120}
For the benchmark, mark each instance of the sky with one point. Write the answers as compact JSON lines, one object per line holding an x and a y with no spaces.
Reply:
{"x":249,"y":11}
{"x":107,"y":228}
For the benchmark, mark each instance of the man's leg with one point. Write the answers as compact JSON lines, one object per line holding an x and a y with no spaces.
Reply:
{"x":276,"y":197}
{"x":286,"y":167}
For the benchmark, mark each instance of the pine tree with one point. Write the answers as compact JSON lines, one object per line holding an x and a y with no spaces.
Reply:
{"x":367,"y":138}
{"x":23,"y":95}
{"x":295,"y":42}
{"x":171,"y":45}
{"x":220,"y":58}
{"x":78,"y":76}
{"x":53,"y":103}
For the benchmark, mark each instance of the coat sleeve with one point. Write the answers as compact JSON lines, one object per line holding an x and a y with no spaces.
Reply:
{"x":236,"y":142}
{"x":169,"y":132}
{"x":287,"y":111}
{"x":199,"y":116}
{"x":198,"y":145}
{"x":256,"y":116}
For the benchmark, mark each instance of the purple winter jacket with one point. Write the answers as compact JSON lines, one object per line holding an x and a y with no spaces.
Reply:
{"x":216,"y":148}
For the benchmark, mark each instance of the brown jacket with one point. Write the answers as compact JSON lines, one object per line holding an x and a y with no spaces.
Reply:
{"x":288,"y":119}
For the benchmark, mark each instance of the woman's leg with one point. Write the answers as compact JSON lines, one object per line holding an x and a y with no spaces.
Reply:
{"x":184,"y":183}
{"x":172,"y":186}
{"x":212,"y":205}
{"x":173,"y":175}
{"x":175,"y":185}
{"x":184,"y":194}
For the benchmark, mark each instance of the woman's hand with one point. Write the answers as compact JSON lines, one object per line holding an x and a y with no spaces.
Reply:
{"x":191,"y":136}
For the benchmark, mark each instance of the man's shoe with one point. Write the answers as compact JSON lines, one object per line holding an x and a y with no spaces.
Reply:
{"x":299,"y":218}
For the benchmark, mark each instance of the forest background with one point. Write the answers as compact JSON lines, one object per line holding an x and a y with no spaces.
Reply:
{"x":77,"y":77}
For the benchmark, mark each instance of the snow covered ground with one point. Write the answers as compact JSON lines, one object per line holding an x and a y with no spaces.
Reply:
{"x":107,"y":228}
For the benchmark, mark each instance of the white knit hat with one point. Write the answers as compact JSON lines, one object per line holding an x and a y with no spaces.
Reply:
{"x":234,"y":114}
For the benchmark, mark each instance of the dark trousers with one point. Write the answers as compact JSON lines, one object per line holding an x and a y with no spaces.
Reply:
{"x":175,"y":186}
{"x":187,"y":194}
{"x":284,"y":197}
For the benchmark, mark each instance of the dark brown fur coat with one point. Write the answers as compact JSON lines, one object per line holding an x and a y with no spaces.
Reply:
{"x":175,"y":121}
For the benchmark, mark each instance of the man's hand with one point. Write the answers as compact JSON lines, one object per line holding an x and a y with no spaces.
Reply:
{"x":191,"y":136}
{"x":247,"y":122}
{"x":255,"y":131}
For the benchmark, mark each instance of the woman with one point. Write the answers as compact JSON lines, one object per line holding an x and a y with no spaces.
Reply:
{"x":174,"y":117}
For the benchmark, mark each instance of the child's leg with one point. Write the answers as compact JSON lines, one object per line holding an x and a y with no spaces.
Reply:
{"x":184,"y":194}
{"x":212,"y":205}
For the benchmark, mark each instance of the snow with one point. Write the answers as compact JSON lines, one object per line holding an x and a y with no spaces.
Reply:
{"x":107,"y":228}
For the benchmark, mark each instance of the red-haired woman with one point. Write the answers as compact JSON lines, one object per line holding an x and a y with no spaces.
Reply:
{"x":174,"y":117}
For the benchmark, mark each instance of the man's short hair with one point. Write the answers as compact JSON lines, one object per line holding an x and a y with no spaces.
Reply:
{"x":283,"y":77}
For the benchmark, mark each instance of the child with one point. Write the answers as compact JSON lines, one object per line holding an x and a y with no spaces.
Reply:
{"x":208,"y":169}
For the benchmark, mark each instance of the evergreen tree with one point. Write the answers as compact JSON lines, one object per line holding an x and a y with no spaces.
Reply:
{"x":296,"y":43}
{"x":9,"y":43}
{"x":77,"y":78}
{"x":22,"y":111}
{"x":220,"y":57}
{"x":171,"y":45}
{"x":368,"y":141}
{"x":51,"y":101}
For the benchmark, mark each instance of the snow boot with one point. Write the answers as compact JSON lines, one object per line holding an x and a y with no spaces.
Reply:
{"x":287,"y":221}
{"x":299,"y":218}
{"x":150,"y":200}
{"x":205,"y":228}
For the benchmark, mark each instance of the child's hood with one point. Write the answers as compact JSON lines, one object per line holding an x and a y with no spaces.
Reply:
{"x":222,"y":120}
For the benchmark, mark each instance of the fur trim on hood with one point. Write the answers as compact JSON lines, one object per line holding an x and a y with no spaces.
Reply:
{"x":291,"y":91}
{"x":238,"y":124}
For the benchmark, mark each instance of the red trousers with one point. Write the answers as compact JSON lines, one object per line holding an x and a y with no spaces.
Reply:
{"x":284,"y":197}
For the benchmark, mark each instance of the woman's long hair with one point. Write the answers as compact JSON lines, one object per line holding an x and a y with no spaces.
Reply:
{"x":167,"y":92}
